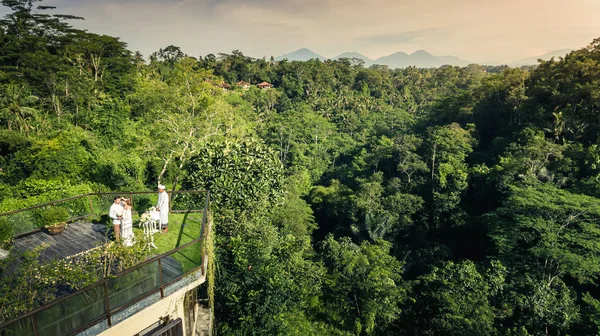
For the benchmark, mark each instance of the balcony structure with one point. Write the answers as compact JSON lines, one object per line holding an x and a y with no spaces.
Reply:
{"x":158,"y":296}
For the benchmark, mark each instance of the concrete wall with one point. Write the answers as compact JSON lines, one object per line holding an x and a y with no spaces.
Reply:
{"x":171,"y":305}
{"x":203,"y":321}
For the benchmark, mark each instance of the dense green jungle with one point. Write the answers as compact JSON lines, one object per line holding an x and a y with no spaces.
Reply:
{"x":346,"y":200}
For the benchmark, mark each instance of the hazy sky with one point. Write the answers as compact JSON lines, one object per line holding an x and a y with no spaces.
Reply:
{"x":475,"y":30}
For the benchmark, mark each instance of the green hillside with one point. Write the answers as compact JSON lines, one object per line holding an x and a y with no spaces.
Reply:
{"x":346,"y":200}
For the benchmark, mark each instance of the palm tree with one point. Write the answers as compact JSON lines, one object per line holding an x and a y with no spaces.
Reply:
{"x":16,"y":112}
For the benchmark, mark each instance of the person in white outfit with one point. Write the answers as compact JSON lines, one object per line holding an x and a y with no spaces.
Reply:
{"x":163,"y":207}
{"x":116,"y":214}
{"x":127,"y":224}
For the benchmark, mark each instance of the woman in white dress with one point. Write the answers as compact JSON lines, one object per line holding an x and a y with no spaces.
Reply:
{"x":127,"y":224}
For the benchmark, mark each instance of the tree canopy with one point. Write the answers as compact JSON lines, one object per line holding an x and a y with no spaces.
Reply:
{"x":347,"y":200}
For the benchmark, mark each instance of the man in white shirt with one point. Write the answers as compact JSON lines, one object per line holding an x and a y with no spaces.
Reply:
{"x":163,"y":207}
{"x":116,"y":214}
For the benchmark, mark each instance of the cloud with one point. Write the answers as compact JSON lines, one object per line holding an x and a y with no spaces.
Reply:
{"x":421,"y":35}
{"x":489,"y":30}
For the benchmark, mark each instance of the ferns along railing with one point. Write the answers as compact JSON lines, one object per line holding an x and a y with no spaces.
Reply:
{"x":100,"y":302}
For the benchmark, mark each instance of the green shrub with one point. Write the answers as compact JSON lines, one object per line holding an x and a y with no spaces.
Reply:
{"x":53,"y":216}
{"x":6,"y":230}
{"x":142,"y":203}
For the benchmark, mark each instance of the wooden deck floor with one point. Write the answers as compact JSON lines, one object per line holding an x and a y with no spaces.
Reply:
{"x":77,"y":237}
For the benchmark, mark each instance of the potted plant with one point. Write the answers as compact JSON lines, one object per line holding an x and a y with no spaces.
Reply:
{"x":54,"y":220}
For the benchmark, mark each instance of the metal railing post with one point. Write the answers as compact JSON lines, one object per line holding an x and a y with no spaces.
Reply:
{"x":91,"y":204}
{"x":34,"y":325}
{"x":106,"y":304}
{"x":160,"y":276}
{"x":204,"y":216}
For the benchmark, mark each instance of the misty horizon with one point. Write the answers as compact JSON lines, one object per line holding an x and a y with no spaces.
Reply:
{"x":563,"y":52}
{"x":491,"y":32}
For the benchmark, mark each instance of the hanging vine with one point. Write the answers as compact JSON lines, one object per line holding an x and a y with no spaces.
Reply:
{"x":210,"y":267}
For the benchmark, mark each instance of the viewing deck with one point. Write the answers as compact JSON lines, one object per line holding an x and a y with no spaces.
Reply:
{"x":78,"y":237}
{"x":175,"y":267}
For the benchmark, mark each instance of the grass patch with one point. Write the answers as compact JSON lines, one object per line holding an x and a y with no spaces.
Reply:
{"x":183,"y":228}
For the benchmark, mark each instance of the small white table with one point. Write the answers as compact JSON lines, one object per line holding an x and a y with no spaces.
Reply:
{"x":155,"y":216}
{"x":151,"y":227}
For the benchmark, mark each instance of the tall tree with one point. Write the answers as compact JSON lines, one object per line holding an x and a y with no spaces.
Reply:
{"x":446,"y":148}
{"x":364,"y":287}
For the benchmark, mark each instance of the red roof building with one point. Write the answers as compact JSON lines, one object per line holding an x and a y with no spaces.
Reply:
{"x":244,"y":85}
{"x":265,"y":85}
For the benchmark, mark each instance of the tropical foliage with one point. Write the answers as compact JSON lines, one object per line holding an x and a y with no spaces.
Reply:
{"x":346,"y":200}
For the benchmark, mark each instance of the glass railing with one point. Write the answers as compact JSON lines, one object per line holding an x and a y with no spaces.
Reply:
{"x":113,"y":299}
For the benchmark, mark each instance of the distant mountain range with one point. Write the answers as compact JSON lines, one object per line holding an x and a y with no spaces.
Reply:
{"x":420,"y":58}
{"x":356,"y":55}
{"x":303,"y":54}
{"x":545,"y":57}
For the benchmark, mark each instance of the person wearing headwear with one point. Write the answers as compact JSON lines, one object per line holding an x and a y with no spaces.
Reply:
{"x":163,"y":207}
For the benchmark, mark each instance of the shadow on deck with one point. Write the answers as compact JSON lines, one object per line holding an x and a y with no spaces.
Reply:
{"x":76,"y":238}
